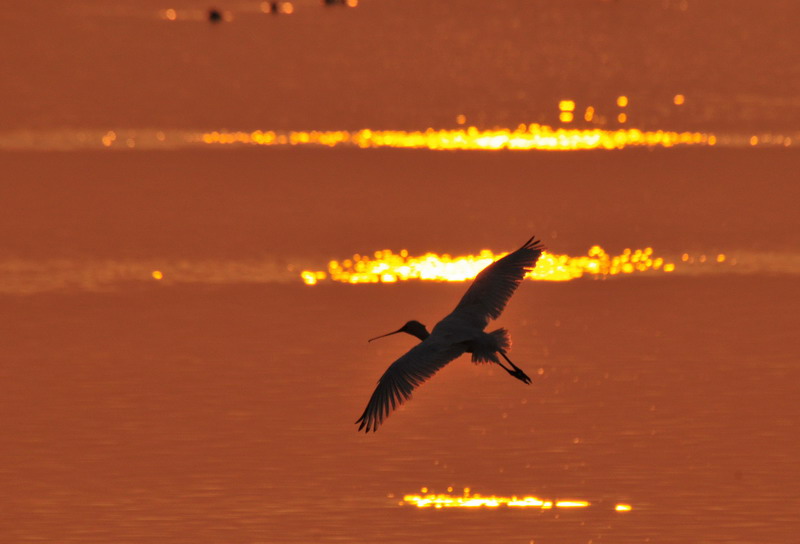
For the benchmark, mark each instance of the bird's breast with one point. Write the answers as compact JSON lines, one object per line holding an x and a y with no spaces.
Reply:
{"x":454,"y":329}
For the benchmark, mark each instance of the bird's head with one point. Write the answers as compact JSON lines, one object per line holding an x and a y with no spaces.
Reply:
{"x":414,"y":328}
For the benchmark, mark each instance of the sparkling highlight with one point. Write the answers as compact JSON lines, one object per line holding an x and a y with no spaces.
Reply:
{"x":445,"y":500}
{"x":388,"y":267}
{"x":524,"y":137}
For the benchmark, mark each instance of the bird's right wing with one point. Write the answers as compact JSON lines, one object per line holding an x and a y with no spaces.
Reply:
{"x":395,"y":386}
{"x":489,"y":293}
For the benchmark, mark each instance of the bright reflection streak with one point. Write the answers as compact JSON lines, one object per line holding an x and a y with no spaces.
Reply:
{"x":543,"y":138}
{"x":21,"y":276}
{"x":445,"y":500}
{"x":524,"y":137}
{"x":623,"y":508}
{"x":389,"y":267}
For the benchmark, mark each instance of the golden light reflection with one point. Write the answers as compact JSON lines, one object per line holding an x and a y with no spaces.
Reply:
{"x":702,"y":258}
{"x":388,"y":267}
{"x":467,"y":500}
{"x":566,"y":105}
{"x":567,"y":108}
{"x":678,"y":99}
{"x":312,"y":278}
{"x":623,"y":508}
{"x":524,"y":137}
{"x":109,"y":138}
{"x":157,"y":275}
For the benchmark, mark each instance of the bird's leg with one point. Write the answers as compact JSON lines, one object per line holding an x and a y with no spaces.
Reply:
{"x":517,"y":372}
{"x":504,"y":367}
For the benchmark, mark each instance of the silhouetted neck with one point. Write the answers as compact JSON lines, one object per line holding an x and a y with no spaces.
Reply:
{"x":422,"y":334}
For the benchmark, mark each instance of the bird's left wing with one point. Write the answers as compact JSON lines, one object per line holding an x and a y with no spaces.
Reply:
{"x":395,"y":386}
{"x":489,"y":293}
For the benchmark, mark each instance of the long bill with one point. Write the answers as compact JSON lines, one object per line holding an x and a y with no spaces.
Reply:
{"x":384,"y":335}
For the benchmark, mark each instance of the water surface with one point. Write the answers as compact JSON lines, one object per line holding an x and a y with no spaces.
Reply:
{"x":167,"y":376}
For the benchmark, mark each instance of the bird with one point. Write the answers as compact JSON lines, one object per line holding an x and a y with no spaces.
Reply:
{"x":461,"y":331}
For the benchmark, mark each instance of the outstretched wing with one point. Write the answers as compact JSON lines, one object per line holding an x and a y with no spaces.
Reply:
{"x":395,"y":386}
{"x":489,"y":293}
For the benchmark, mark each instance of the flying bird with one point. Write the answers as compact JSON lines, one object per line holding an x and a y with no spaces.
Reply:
{"x":462,"y":331}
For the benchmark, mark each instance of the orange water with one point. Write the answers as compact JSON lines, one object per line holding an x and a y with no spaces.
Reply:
{"x":208,"y":413}
{"x":168,"y":377}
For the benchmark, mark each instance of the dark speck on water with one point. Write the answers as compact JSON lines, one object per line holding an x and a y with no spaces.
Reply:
{"x":214,"y":16}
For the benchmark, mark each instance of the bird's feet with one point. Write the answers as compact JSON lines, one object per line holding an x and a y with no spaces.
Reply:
{"x":517,"y":372}
{"x":520,"y":375}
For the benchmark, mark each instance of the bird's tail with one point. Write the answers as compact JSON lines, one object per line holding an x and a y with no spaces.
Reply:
{"x":486,"y":349}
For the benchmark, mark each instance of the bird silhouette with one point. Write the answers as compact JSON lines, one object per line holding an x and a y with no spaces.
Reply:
{"x":462,"y":331}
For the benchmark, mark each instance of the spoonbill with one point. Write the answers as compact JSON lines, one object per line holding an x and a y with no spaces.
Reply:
{"x":459,"y":332}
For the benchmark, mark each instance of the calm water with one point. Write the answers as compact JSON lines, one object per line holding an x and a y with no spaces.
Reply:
{"x":224,"y":413}
{"x":217,"y":404}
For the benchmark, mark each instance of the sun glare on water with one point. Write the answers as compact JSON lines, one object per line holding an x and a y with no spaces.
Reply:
{"x":388,"y":267}
{"x":468,"y":500}
{"x":533,"y":136}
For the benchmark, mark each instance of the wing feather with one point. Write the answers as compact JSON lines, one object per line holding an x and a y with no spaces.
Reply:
{"x":492,"y":288}
{"x":409,"y":371}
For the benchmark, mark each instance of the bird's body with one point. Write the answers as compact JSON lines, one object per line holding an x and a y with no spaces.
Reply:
{"x":462,"y":331}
